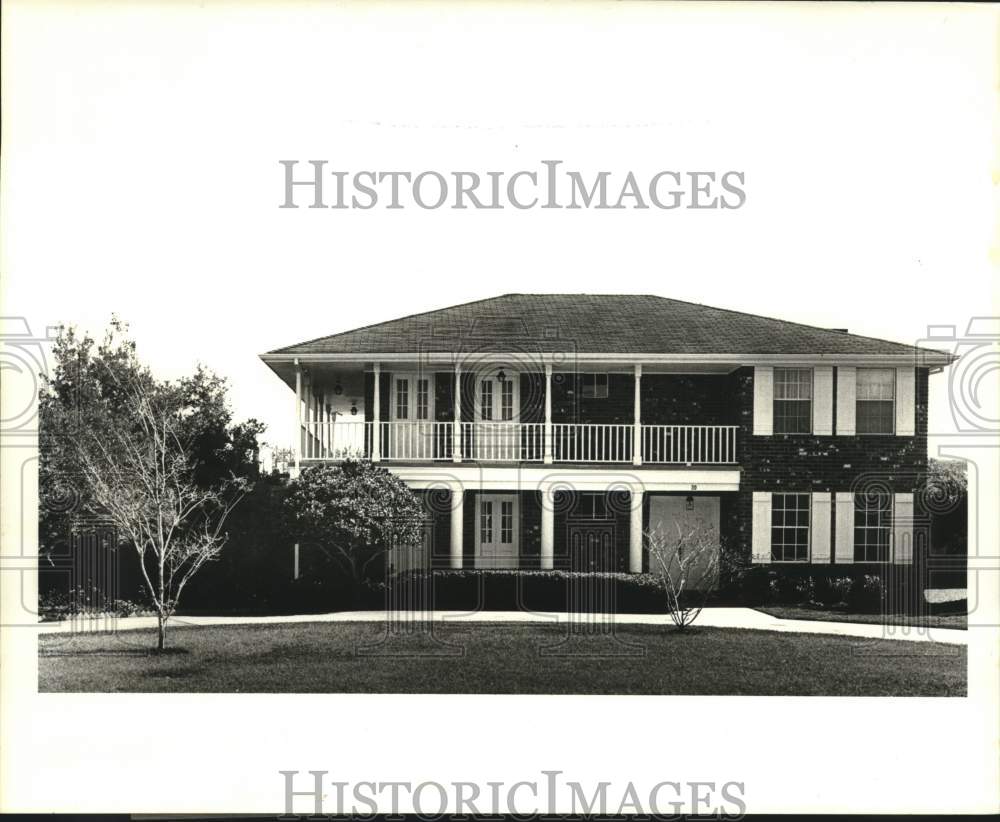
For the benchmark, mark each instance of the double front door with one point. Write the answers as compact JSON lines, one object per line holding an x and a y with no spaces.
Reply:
{"x":497,"y":527}
{"x":496,"y":436}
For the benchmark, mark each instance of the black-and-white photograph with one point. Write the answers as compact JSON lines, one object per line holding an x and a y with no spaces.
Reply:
{"x":497,"y":497}
{"x":619,"y":372}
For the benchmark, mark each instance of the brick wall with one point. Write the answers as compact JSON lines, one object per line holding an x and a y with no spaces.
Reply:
{"x":687,"y":399}
{"x":805,"y":462}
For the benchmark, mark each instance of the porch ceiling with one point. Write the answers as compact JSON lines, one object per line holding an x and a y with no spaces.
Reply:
{"x":326,"y":370}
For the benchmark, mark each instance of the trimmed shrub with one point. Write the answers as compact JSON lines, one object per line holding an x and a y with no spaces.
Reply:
{"x":839,"y":590}
{"x":58,"y":605}
{"x":867,"y":594}
{"x":791,"y":590}
{"x":502,"y":590}
{"x":754,"y":587}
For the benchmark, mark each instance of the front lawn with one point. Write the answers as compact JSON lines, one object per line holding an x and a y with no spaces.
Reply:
{"x":959,"y":621}
{"x":500,"y":658}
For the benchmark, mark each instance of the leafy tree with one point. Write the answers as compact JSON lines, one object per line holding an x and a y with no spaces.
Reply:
{"x":354,"y":513}
{"x":159,"y":460}
{"x":88,"y":375}
{"x":946,"y":499}
{"x":947,"y":480}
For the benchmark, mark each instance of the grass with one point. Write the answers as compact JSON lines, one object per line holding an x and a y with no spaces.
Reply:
{"x":957,"y":621}
{"x":500,"y":659}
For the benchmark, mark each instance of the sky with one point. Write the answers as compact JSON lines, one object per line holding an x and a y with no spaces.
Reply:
{"x":141,"y":175}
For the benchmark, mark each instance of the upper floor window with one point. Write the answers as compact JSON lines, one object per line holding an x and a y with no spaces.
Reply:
{"x":594,"y":386}
{"x":876,"y":401}
{"x":872,"y":521}
{"x":792,"y":400}
{"x":790,"y":527}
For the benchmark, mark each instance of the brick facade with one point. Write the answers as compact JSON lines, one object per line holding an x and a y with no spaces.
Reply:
{"x":807,"y":463}
{"x":775,"y":463}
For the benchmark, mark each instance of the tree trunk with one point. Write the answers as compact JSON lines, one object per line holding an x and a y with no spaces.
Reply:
{"x":161,"y":629}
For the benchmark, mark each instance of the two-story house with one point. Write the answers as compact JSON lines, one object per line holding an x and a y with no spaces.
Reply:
{"x":553,"y":430}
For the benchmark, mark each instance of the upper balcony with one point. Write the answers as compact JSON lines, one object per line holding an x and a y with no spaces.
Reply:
{"x":587,"y":379}
{"x":514,"y":442}
{"x":516,"y":414}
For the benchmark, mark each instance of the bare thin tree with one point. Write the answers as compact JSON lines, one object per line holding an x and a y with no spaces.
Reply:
{"x":137,"y":468}
{"x":687,"y":559}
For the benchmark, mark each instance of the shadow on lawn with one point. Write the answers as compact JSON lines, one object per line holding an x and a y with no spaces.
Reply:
{"x":151,"y":653}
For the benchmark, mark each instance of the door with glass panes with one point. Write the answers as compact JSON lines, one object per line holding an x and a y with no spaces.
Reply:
{"x":411,"y":418}
{"x":496,"y":531}
{"x":497,"y":436}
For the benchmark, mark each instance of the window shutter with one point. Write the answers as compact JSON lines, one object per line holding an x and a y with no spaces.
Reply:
{"x":902,"y":529}
{"x":823,"y":400}
{"x":761,"y":527}
{"x":846,"y":398}
{"x":763,"y":401}
{"x":906,"y":425}
{"x":845,"y":527}
{"x":820,"y":526}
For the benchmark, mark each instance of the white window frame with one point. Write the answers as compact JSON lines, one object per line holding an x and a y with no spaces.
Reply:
{"x":859,"y":401}
{"x":779,"y":384}
{"x":496,"y":394}
{"x":413,"y":379}
{"x":888,"y":525}
{"x":783,"y":527}
{"x":600,"y":385}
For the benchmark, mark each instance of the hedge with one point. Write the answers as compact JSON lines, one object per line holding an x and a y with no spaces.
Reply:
{"x":862,"y":588}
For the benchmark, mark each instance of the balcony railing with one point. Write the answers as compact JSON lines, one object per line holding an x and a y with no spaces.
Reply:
{"x":591,"y":442}
{"x":503,"y":441}
{"x":426,"y":441}
{"x":689,"y":444}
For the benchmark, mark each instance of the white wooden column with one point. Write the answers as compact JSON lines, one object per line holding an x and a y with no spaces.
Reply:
{"x":456,"y":430}
{"x":310,"y":417}
{"x":298,"y":416}
{"x":637,"y":425}
{"x":295,"y":562}
{"x":635,"y":532}
{"x":548,"y":440}
{"x":377,"y":413}
{"x":548,"y":528}
{"x":457,"y":511}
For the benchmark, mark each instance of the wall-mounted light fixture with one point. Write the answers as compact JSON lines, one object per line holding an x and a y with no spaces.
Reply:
{"x":501,"y":375}
{"x":690,"y":503}
{"x":354,"y":408}
{"x":338,"y":389}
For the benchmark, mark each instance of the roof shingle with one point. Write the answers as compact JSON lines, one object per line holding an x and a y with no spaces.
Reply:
{"x":594,"y":323}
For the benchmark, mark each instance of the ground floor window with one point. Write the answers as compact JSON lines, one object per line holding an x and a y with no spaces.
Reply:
{"x":790,"y":527}
{"x":591,"y":505}
{"x":872,"y":521}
